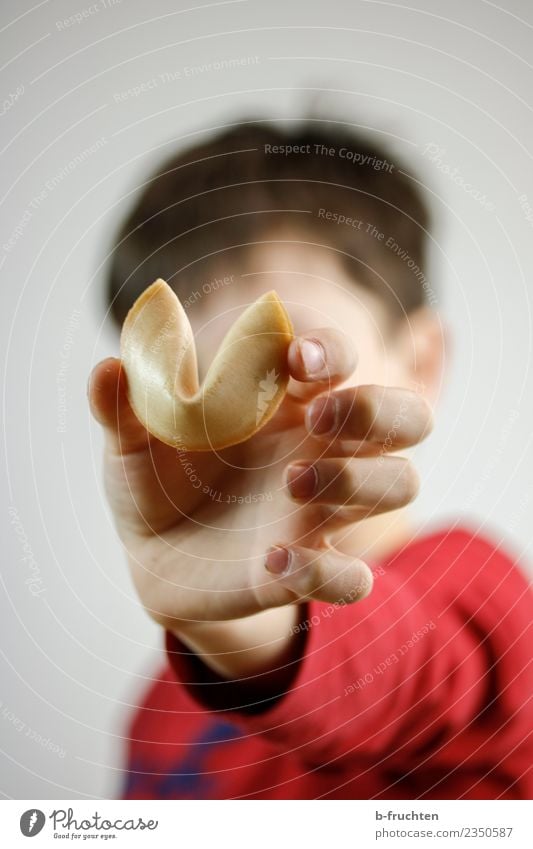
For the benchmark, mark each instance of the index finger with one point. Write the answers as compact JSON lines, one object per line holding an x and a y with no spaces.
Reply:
{"x":108,"y":400}
{"x":319,"y":359}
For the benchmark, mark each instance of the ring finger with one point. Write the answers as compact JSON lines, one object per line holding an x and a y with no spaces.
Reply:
{"x":377,"y":484}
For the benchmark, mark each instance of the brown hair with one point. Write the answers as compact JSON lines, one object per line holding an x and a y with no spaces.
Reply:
{"x":254,"y":179}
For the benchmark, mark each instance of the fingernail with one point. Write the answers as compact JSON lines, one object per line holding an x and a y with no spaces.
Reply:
{"x":313,"y":358}
{"x":322,"y":415}
{"x":302,"y":480}
{"x":277,"y":560}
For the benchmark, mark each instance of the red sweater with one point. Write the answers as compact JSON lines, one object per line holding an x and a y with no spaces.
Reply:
{"x":421,"y":691}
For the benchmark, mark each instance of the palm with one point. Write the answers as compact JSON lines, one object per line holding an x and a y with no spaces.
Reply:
{"x":177,"y":512}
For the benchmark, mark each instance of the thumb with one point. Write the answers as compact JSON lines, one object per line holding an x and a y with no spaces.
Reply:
{"x":324,"y":575}
{"x":108,"y":400}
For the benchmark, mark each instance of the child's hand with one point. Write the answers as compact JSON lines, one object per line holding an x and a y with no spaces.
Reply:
{"x":197,"y":526}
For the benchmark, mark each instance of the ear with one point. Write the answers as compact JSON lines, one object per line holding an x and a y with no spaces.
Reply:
{"x":422,"y":345}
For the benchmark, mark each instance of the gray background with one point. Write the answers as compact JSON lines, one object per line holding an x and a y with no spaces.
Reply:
{"x":451,"y":74}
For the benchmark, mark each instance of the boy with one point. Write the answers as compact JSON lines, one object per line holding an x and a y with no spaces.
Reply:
{"x":318,"y":645}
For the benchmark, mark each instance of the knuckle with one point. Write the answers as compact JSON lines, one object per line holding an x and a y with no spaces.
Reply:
{"x":369,"y":401}
{"x":317,"y":575}
{"x":340,"y":351}
{"x":355,"y":490}
{"x":343,"y":481}
{"x":399,"y":485}
{"x":348,"y":481}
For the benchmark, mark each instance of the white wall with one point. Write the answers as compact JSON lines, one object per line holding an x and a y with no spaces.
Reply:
{"x":451,"y":74}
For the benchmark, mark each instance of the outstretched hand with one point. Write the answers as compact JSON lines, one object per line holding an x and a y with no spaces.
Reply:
{"x":212,"y":537}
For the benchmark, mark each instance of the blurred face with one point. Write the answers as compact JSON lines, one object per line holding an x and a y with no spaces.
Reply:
{"x":317,"y":292}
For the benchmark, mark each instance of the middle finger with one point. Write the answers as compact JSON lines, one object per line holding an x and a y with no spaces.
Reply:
{"x":374,"y":483}
{"x":384,"y":416}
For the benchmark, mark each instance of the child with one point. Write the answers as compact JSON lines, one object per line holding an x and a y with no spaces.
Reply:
{"x":318,"y":645}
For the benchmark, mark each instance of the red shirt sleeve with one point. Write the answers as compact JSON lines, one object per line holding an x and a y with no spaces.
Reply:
{"x":434,"y":664}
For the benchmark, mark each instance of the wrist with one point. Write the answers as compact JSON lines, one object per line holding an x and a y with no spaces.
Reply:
{"x":240,"y":648}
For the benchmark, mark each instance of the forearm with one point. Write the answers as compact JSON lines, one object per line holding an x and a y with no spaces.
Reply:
{"x":369,"y":677}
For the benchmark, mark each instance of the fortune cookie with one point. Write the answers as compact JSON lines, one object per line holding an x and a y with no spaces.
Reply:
{"x":244,"y":384}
